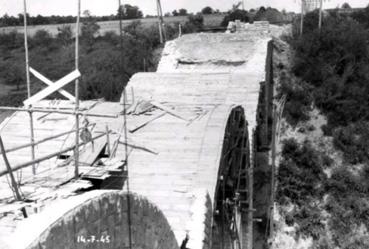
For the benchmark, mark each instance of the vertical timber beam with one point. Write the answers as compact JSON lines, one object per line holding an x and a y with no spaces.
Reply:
{"x":28,"y":83}
{"x":76,"y":151}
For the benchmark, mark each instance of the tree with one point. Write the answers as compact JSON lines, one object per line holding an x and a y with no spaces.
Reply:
{"x":39,"y":20}
{"x":42,"y":38}
{"x":262,"y":9}
{"x":194,"y":24}
{"x":235,"y":14}
{"x":346,"y":6}
{"x":128,"y":11}
{"x":21,"y":18}
{"x":89,"y":29}
{"x":207,"y":10}
{"x":65,"y":34}
{"x":182,"y":12}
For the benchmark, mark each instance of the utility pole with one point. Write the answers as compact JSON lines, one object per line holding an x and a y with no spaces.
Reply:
{"x":302,"y":17}
{"x":320,"y":14}
{"x":161,"y":22}
{"x":243,"y":4}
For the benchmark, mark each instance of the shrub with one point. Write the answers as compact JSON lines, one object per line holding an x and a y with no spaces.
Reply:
{"x":300,"y":173}
{"x":347,"y":204}
{"x":235,"y":14}
{"x":194,"y":24}
{"x":300,"y":179}
{"x":65,"y":35}
{"x":12,"y":40}
{"x":353,"y":140}
{"x":298,"y":100}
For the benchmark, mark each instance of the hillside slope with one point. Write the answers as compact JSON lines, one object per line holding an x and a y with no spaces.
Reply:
{"x":322,"y":195}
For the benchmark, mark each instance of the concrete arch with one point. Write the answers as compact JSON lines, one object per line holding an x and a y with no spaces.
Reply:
{"x":102,"y":214}
{"x":232,"y":183}
{"x":227,"y":129}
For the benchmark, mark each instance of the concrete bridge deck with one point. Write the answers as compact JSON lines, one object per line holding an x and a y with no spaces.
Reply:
{"x":175,"y":162}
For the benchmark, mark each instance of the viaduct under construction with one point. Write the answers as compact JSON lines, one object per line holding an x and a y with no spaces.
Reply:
{"x":171,"y":165}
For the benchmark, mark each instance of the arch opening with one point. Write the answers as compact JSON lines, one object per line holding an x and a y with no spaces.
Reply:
{"x":231,"y":191}
{"x":102,"y":222}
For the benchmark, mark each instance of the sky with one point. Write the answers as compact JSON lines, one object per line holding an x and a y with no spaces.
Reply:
{"x":108,"y":7}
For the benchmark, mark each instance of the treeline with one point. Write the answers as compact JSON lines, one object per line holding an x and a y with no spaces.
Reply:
{"x":105,"y":68}
{"x":269,"y":14}
{"x":125,"y":12}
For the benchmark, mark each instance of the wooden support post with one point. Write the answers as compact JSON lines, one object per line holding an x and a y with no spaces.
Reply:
{"x":76,"y":151}
{"x":107,"y":140}
{"x":13,"y":182}
{"x":28,"y":80}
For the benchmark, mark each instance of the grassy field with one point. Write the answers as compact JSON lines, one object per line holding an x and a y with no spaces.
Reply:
{"x":113,"y":26}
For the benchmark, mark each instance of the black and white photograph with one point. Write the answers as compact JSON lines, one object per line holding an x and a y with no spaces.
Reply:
{"x":184,"y":124}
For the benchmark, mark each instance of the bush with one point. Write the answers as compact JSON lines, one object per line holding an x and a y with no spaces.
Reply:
{"x":300,"y":173}
{"x":104,"y":71}
{"x":300,"y":179}
{"x":298,"y":101}
{"x":65,"y":35}
{"x":235,"y":14}
{"x":347,"y":204}
{"x":353,"y":140}
{"x":194,"y":24}
{"x":12,"y":40}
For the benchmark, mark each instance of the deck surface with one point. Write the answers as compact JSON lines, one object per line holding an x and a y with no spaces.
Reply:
{"x":171,"y":160}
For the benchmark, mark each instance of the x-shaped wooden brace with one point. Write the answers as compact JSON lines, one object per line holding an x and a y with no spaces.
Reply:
{"x":52,"y":87}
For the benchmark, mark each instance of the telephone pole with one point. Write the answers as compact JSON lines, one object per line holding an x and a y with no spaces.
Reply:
{"x":161,"y":22}
{"x":320,"y":14}
{"x":302,"y":17}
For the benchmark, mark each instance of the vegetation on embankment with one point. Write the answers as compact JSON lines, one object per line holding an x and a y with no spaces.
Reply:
{"x":327,"y":198}
{"x":105,"y":68}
